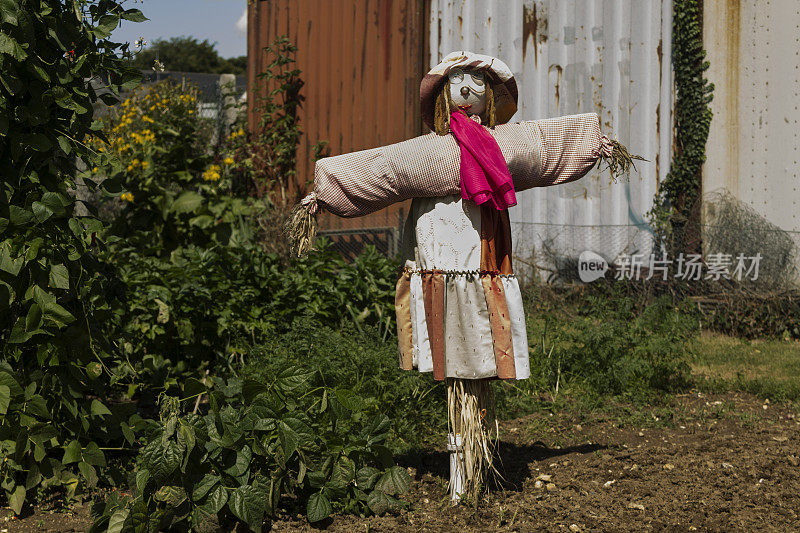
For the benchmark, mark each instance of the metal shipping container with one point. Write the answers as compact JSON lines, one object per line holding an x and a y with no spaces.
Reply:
{"x":575,"y":56}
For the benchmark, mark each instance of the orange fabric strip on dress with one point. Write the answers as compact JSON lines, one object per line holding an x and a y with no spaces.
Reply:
{"x":495,"y":241}
{"x":433,"y":297}
{"x":402,"y":306}
{"x":495,"y":260}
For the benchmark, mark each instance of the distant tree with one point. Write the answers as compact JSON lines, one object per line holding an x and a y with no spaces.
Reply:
{"x":190,"y":55}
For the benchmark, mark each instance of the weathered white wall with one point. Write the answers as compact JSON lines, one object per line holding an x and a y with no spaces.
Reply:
{"x":575,"y":56}
{"x":754,"y":144}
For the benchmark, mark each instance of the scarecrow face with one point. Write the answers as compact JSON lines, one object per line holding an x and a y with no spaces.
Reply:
{"x":468,"y":90}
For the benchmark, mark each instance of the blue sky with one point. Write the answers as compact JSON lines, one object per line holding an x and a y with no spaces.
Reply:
{"x":219,"y":21}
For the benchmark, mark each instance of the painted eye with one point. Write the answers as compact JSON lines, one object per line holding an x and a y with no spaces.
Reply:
{"x":456,"y":76}
{"x":477,"y":77}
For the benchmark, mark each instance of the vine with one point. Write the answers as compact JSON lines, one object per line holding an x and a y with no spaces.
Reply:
{"x":680,"y":190}
{"x":56,"y":295}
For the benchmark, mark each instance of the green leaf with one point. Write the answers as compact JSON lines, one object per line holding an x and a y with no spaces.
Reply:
{"x":187,"y":202}
{"x":134,"y":15}
{"x":204,"y":486}
{"x":242,"y":464}
{"x":378,"y":502}
{"x":5,"y":399}
{"x":248,"y":504}
{"x":17,"y":499}
{"x":350,"y":400}
{"x":131,"y":79}
{"x":19,"y":216}
{"x":33,"y":320}
{"x":93,"y":455}
{"x":106,"y":25}
{"x":64,"y":144}
{"x":165,"y":460}
{"x":9,"y":381}
{"x":39,"y":142}
{"x":293,"y":377}
{"x":367,"y":477}
{"x":98,"y":409}
{"x":41,"y":212}
{"x":344,"y":471}
{"x":58,"y":314}
{"x":216,"y":500}
{"x":318,"y":507}
{"x":117,"y":520}
{"x":193,"y":387}
{"x":88,"y":472}
{"x":11,"y":47}
{"x":289,"y":439}
{"x":59,"y":277}
{"x":394,"y":481}
{"x":9,"y":9}
{"x":36,"y":405}
{"x":142,"y":477}
{"x":72,"y":453}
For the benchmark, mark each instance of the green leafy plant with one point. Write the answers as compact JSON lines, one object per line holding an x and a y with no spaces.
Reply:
{"x":176,"y":191}
{"x":202,"y":308}
{"x":55,"y":293}
{"x":259,"y":441}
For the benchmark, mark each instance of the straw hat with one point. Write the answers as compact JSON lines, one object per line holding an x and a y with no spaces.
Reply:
{"x":503,"y":84}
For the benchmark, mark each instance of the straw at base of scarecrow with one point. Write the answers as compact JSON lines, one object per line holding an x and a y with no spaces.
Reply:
{"x":470,"y":419}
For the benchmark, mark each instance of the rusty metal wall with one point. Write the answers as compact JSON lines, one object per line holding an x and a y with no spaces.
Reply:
{"x":361,"y":62}
{"x":575,"y":56}
{"x":753,"y":147}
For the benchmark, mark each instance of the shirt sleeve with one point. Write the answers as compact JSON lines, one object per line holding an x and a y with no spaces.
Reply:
{"x":562,"y":149}
{"x":539,"y":153}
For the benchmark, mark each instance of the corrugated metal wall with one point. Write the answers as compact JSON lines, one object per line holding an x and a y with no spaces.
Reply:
{"x":753,"y":148}
{"x":361,"y":62}
{"x":575,"y":56}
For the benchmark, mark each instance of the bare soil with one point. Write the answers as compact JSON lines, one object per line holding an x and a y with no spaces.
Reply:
{"x":727,"y":462}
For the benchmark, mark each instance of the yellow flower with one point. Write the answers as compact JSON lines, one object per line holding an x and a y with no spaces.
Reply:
{"x":147,"y":119}
{"x":129,"y":168}
{"x":145,"y":165}
{"x":212,"y":173}
{"x":94,"y":170}
{"x":152,"y":108}
{"x":126,"y":196}
{"x":191,"y":111}
{"x":228,"y":160}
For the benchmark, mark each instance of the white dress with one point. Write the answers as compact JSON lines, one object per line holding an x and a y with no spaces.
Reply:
{"x":444,"y":233}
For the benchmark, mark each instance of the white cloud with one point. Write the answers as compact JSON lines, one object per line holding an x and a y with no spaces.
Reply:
{"x":241,"y":24}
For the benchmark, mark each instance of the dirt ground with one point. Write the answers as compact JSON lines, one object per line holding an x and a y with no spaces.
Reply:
{"x":707,"y":463}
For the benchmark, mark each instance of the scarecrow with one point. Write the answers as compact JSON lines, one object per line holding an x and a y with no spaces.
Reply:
{"x":458,"y":302}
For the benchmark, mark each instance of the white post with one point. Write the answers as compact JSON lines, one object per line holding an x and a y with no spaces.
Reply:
{"x":457,"y":481}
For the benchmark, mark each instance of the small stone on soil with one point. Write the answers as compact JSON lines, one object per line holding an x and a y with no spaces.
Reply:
{"x":550,"y":487}
{"x":637,"y":506}
{"x":669,"y":466}
{"x":544,"y":477}
{"x":574,"y":527}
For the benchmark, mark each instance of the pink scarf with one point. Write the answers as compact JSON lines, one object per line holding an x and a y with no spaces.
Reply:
{"x":484,"y":173}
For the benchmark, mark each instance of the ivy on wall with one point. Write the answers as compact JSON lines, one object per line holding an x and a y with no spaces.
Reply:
{"x":681,"y":188}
